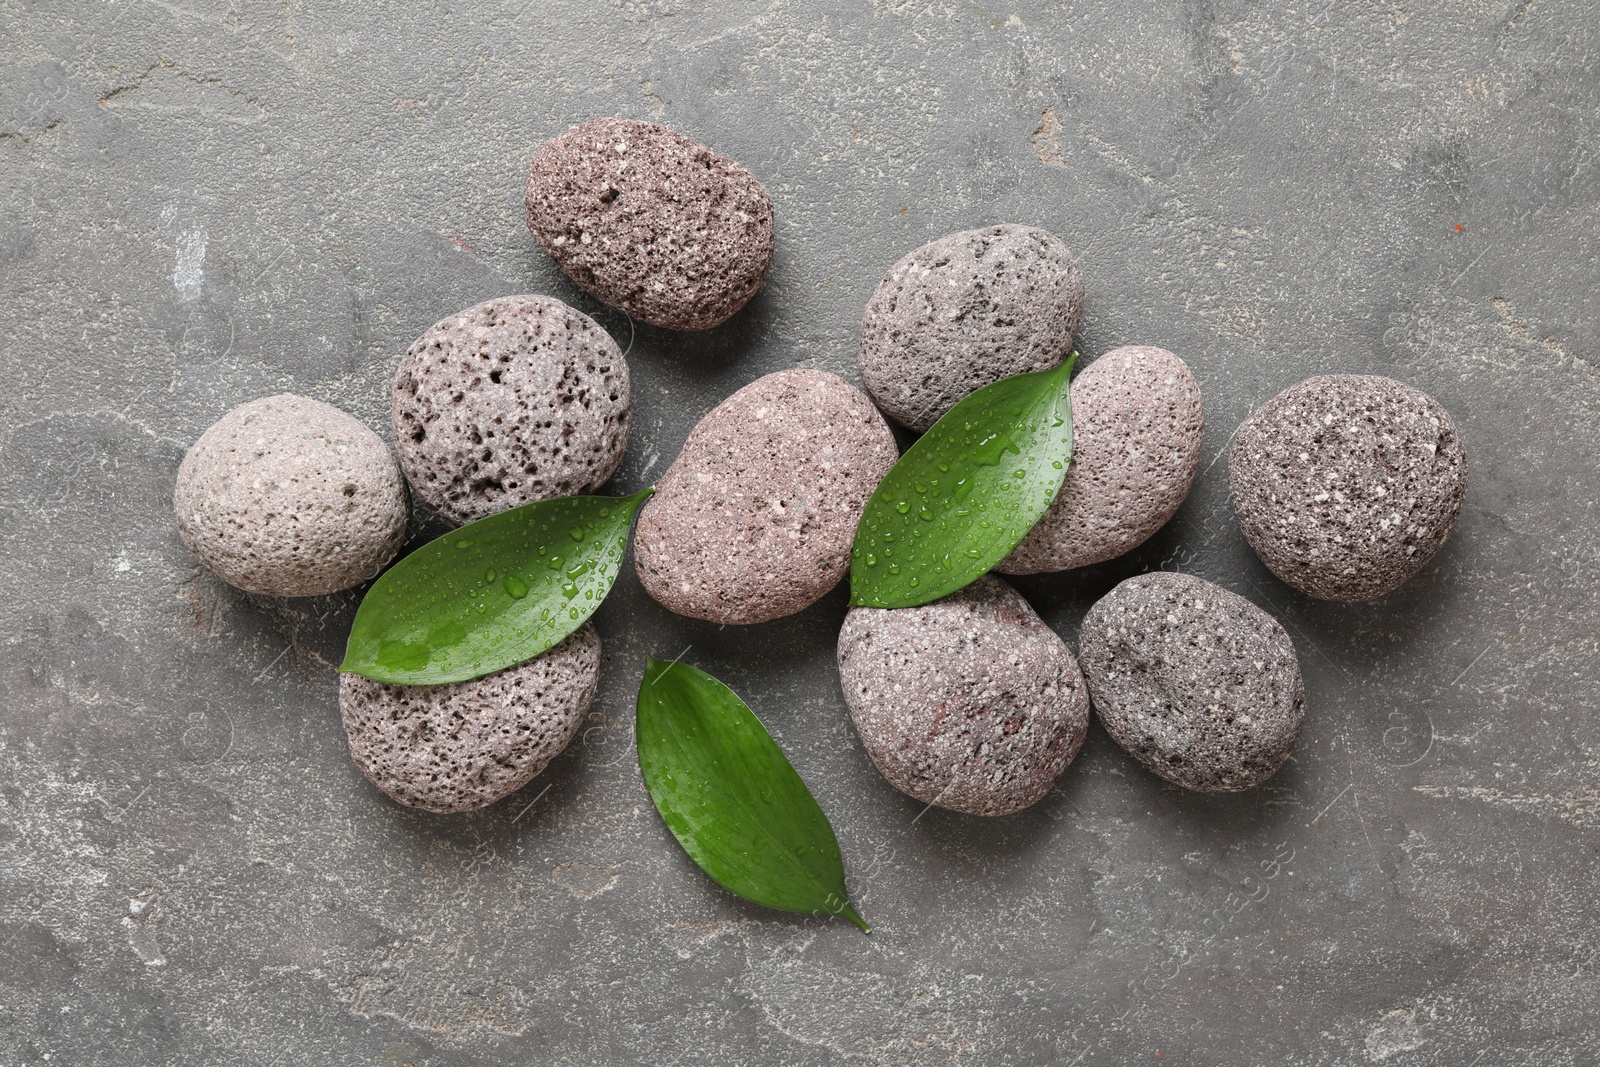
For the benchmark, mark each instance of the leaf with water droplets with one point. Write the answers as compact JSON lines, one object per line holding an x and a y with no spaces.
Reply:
{"x":966,"y":492}
{"x":492,"y":594}
{"x":732,"y":799}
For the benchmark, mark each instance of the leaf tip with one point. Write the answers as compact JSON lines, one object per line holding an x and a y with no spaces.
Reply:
{"x":850,"y":913}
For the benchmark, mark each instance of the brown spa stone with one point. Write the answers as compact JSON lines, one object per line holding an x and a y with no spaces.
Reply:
{"x":970,"y":703}
{"x":1137,"y":431}
{"x":287,"y":496}
{"x":1196,"y":683}
{"x":755,"y":518}
{"x":519,"y":398}
{"x":1347,"y":484}
{"x":462,"y":746}
{"x":648,"y":221}
{"x":965,"y":311}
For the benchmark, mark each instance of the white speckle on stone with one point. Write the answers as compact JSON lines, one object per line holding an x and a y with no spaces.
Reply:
{"x":189,"y":273}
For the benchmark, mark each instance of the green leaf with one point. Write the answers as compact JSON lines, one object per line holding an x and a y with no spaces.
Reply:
{"x":730,"y":796}
{"x":965,"y":493}
{"x":492,"y":594}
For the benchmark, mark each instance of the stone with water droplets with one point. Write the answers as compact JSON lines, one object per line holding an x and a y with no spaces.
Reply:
{"x":287,"y":496}
{"x":970,"y":703}
{"x":1347,"y":484}
{"x":754,"y":520}
{"x":965,"y":311}
{"x":517,"y":399}
{"x":462,"y":746}
{"x":1137,"y":428}
{"x":648,"y":221}
{"x":1196,"y":683}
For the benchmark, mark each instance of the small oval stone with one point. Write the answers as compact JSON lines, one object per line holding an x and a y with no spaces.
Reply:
{"x":970,"y":703}
{"x":965,"y":311}
{"x":1137,"y":431}
{"x":465,"y":745}
{"x":755,"y":518}
{"x":646,"y":220}
{"x":516,"y":399}
{"x":288,"y":496}
{"x":1347,"y":484}
{"x":1196,"y":683}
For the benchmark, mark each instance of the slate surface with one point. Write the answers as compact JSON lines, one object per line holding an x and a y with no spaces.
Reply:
{"x":202,"y":202}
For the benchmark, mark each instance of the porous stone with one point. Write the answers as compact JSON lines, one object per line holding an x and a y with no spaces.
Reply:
{"x":1137,"y":430}
{"x":970,"y":703}
{"x":288,"y":496}
{"x":965,"y":311}
{"x":519,"y":398}
{"x":755,"y":518}
{"x":1347,"y":484}
{"x":465,"y":745}
{"x":646,"y":220}
{"x":1197,"y":683}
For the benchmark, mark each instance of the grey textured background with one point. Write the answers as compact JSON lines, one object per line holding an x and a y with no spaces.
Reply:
{"x":202,"y":202}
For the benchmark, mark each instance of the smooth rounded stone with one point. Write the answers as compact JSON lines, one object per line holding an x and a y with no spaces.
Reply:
{"x":646,"y":220}
{"x":519,"y":398}
{"x":1137,"y":430}
{"x":970,"y":703}
{"x":1347,"y":484}
{"x":465,"y":745}
{"x":755,"y":518}
{"x":1197,"y":683}
{"x":288,"y":496}
{"x":965,"y":311}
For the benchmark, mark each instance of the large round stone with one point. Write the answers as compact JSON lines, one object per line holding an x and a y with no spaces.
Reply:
{"x":648,"y":221}
{"x":288,"y":496}
{"x":1347,"y":484}
{"x":964,"y":311}
{"x":465,"y":745}
{"x":755,"y":518}
{"x":517,"y":399}
{"x":970,"y":703}
{"x":1197,"y":683}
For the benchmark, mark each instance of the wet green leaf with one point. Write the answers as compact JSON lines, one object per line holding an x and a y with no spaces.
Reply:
{"x":966,"y":492}
{"x":492,"y":594}
{"x":731,"y":797}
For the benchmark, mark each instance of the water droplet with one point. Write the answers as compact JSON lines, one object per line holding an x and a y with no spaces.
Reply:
{"x":482,"y":608}
{"x":872,"y":561}
{"x":463,"y":542}
{"x":919,"y":487}
{"x":903,"y":507}
{"x":489,"y":575}
{"x":926,"y":515}
{"x":516,"y":588}
{"x":569,"y":589}
{"x":1056,"y":463}
{"x":974,"y":553}
{"x":1019,"y":474}
{"x":916,"y":581}
{"x":944,"y":467}
{"x":894,"y":568}
{"x":576,"y":533}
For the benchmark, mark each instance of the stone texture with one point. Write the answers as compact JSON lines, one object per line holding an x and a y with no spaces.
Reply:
{"x":964,"y":311}
{"x":1196,"y":683}
{"x":970,"y":703}
{"x":288,"y":496}
{"x":463,"y":746}
{"x":646,"y":220}
{"x":516,"y":399}
{"x":1137,"y":432}
{"x":755,"y":518}
{"x":1347,"y":484}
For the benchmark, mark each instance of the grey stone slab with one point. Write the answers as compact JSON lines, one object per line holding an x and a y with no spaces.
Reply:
{"x":202,"y":202}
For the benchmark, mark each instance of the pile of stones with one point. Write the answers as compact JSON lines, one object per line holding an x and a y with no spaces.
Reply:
{"x":1344,"y":485}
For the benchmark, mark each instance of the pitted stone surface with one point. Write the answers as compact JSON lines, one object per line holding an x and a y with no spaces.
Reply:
{"x":1137,"y":430}
{"x":458,"y":747}
{"x":519,"y":398}
{"x":289,"y":496}
{"x":964,"y":311}
{"x":1197,"y":683}
{"x":647,"y":220}
{"x":1347,"y":484}
{"x":970,"y":703}
{"x":755,"y":518}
